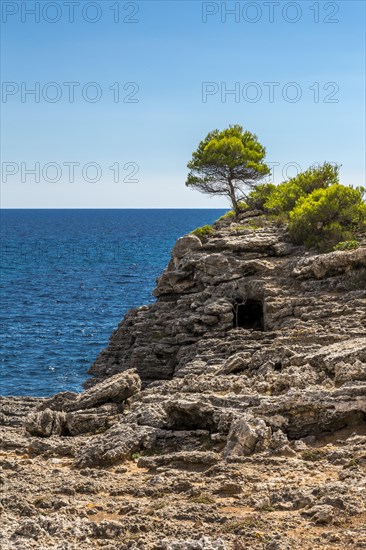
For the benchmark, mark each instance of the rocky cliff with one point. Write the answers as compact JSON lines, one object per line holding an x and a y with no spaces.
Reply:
{"x":236,"y":404}
{"x":307,"y":301}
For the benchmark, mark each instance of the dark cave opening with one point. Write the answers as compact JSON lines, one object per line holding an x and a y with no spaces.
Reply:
{"x":248,"y":314}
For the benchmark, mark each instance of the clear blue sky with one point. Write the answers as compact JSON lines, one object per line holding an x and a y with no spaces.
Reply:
{"x":169,"y":52}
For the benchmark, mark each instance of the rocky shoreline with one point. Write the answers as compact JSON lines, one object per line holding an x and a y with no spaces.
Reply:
{"x":229,"y":414}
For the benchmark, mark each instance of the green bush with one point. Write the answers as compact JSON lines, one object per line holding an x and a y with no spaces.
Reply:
{"x":227,"y":215}
{"x":247,"y":227}
{"x":202,"y":231}
{"x":260,"y":195}
{"x":242,"y":206}
{"x":318,"y":210}
{"x":327,"y":216}
{"x":347,"y":245}
{"x":231,"y":214}
{"x":285,"y":196}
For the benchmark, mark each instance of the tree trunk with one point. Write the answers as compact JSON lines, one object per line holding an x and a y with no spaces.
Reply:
{"x":234,"y":202}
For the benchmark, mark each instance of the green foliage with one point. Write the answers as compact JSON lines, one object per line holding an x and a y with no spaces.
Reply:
{"x":285,"y":196}
{"x":327,"y":216}
{"x":228,"y":215}
{"x":242,"y":206}
{"x":313,"y":455}
{"x":226,"y":162}
{"x":136,"y":456}
{"x":260,"y":195}
{"x":203,"y":499}
{"x":347,"y":245}
{"x":202,"y":231}
{"x":247,"y":227}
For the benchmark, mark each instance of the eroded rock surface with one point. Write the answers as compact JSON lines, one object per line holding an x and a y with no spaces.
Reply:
{"x":230,"y":414}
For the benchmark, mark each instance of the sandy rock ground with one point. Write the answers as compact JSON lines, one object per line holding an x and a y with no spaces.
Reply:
{"x":313,"y":498}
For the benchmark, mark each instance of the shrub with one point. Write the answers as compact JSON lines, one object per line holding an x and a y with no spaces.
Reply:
{"x":347,"y":245}
{"x":247,"y":227}
{"x":202,"y":231}
{"x":242,"y":206}
{"x":285,"y":196}
{"x":203,"y":499}
{"x":313,"y":455}
{"x":260,"y":195}
{"x":327,"y":217}
{"x":227,"y":215}
{"x":231,"y":214}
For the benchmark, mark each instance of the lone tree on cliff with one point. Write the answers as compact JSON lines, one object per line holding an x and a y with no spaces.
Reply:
{"x":226,"y":162}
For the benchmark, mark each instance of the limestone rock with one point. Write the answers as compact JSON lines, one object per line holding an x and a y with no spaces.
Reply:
{"x":179,"y":459}
{"x":90,"y":420}
{"x":235,"y":363}
{"x":323,"y":264}
{"x":247,"y":436}
{"x":45,"y":423}
{"x":186,"y":244}
{"x":320,"y":514}
{"x":115,"y":445}
{"x":252,"y":400}
{"x":347,"y":372}
{"x":115,"y":389}
{"x":204,"y":543}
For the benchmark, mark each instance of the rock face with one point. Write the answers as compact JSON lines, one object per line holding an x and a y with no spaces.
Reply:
{"x":245,"y":323}
{"x":249,"y":338}
{"x":252,"y":361}
{"x":307,"y":301}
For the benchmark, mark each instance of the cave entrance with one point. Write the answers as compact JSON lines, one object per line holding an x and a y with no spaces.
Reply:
{"x":248,"y":314}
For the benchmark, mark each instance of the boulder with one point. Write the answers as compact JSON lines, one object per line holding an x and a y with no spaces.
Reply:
{"x":115,"y":445}
{"x":322,"y":265}
{"x":186,"y":244}
{"x":247,"y":436}
{"x":45,"y":423}
{"x":115,"y":389}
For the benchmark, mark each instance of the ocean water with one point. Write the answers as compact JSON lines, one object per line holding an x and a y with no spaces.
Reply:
{"x":67,"y":278}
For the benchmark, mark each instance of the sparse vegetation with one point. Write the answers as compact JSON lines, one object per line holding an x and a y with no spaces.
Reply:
{"x":319,"y":211}
{"x":228,"y":215}
{"x":203,"y":499}
{"x":136,"y":456}
{"x":202,"y":231}
{"x":347,"y":245}
{"x":312,"y":455}
{"x":247,"y":227}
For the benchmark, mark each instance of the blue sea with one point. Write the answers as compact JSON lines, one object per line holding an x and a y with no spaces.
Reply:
{"x":67,"y":279}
